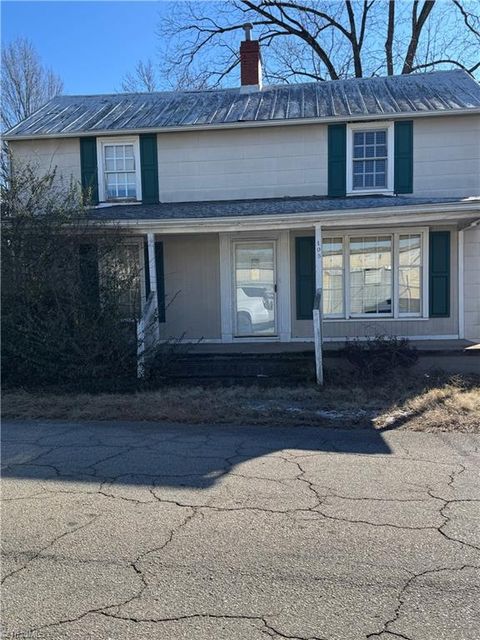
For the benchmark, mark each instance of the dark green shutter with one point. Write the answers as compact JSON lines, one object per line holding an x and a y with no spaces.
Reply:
{"x":160,"y":277}
{"x":89,"y":275}
{"x":89,"y":170}
{"x":149,"y":168}
{"x":403,"y":161}
{"x":337,"y":160}
{"x":305,"y":276}
{"x":439,"y":274}
{"x":160,"y":281}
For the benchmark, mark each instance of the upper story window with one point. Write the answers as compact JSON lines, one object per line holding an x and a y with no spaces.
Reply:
{"x":119,"y":169}
{"x":370,"y":158}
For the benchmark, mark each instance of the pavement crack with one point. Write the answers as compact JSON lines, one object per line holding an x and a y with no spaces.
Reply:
{"x":401,"y":600}
{"x":48,"y":546}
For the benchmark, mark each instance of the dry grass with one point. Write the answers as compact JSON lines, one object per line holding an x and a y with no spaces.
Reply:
{"x":419,"y":403}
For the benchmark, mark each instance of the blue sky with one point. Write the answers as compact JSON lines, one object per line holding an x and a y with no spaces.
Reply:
{"x":90,"y":44}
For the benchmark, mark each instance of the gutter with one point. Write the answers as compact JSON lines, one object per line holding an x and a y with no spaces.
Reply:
{"x":240,"y":124}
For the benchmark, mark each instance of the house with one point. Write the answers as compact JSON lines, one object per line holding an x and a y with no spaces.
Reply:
{"x":238,"y":204}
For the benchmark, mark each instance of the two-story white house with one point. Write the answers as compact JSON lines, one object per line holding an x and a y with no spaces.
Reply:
{"x":239,"y":203}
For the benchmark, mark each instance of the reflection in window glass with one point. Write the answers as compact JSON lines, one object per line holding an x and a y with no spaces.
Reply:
{"x":371,"y":275}
{"x":410,"y":273}
{"x":332,"y":260}
{"x":255,"y":289}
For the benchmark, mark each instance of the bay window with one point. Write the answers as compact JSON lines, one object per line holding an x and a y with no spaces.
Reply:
{"x":374,"y":275}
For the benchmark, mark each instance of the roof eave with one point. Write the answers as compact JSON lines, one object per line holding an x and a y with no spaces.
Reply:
{"x":248,"y":124}
{"x":430,"y":213}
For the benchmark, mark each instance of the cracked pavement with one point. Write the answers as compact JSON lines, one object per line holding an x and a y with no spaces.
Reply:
{"x":120,"y":530}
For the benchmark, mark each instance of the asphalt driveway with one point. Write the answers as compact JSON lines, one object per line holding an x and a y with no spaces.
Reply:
{"x":142,"y":531}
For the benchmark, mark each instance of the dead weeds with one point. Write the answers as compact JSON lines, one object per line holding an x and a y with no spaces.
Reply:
{"x":423,"y":403}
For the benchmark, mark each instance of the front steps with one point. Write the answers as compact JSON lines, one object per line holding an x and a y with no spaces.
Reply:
{"x":236,"y":368}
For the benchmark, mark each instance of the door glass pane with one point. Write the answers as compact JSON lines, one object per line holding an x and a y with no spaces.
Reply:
{"x":255,"y":289}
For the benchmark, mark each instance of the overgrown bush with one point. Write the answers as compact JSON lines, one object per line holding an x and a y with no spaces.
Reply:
{"x":375,"y":357}
{"x":67,"y":289}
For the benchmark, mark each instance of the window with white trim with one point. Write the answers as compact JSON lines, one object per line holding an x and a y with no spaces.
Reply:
{"x":374,"y":275}
{"x":370,"y":158}
{"x":332,"y":258}
{"x":119,"y":168}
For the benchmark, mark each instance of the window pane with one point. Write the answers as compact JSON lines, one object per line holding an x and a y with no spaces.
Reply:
{"x":409,"y":289}
{"x":371,"y":275}
{"x":358,"y":138}
{"x":410,"y":250}
{"x":332,"y":263}
{"x":109,"y":151}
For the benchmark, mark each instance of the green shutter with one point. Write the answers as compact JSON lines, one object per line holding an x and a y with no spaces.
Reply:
{"x":337,"y":160}
{"x":88,"y":166}
{"x":403,"y":161}
{"x":149,"y":168}
{"x":160,"y":281}
{"x":305,"y":276}
{"x":439,"y":274}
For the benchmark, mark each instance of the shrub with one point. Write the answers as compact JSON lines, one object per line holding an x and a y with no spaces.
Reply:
{"x":64,"y":288}
{"x":374,"y":357}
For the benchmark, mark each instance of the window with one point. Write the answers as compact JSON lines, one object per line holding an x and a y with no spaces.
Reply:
{"x":332,"y":257}
{"x":370,"y":158}
{"x":121,"y":269}
{"x":371,"y":275}
{"x":410,"y":273}
{"x":374,"y":276}
{"x":120,"y":169}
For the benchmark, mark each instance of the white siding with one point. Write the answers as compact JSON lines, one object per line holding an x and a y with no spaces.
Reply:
{"x":246,"y":163}
{"x":46,"y":155}
{"x":446,"y":156}
{"x":472,"y":283}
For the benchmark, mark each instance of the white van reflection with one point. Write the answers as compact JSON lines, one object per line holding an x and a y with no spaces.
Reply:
{"x":255,"y":310}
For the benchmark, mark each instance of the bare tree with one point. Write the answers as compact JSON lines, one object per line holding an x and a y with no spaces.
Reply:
{"x":321,"y":39}
{"x":142,"y":78}
{"x":26,"y":83}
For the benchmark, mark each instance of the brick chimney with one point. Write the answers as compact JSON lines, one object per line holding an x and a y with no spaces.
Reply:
{"x":250,"y":61}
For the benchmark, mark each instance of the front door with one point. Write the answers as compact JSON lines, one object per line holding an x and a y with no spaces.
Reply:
{"x":254,"y":289}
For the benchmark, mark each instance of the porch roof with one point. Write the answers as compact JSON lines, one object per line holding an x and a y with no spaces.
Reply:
{"x":222,"y":209}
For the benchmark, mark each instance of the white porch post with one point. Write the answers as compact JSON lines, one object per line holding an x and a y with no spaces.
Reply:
{"x":461,"y":284}
{"x":317,"y":307}
{"x":152,"y":272}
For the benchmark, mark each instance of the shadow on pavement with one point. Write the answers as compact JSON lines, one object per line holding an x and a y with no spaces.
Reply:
{"x":175,"y":455}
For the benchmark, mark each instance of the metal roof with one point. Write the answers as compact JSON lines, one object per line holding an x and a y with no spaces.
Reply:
{"x":437,"y":92}
{"x":265,"y":206}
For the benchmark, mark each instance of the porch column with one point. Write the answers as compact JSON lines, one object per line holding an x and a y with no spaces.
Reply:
{"x":152,"y":272}
{"x":152,"y":266}
{"x":317,"y":306}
